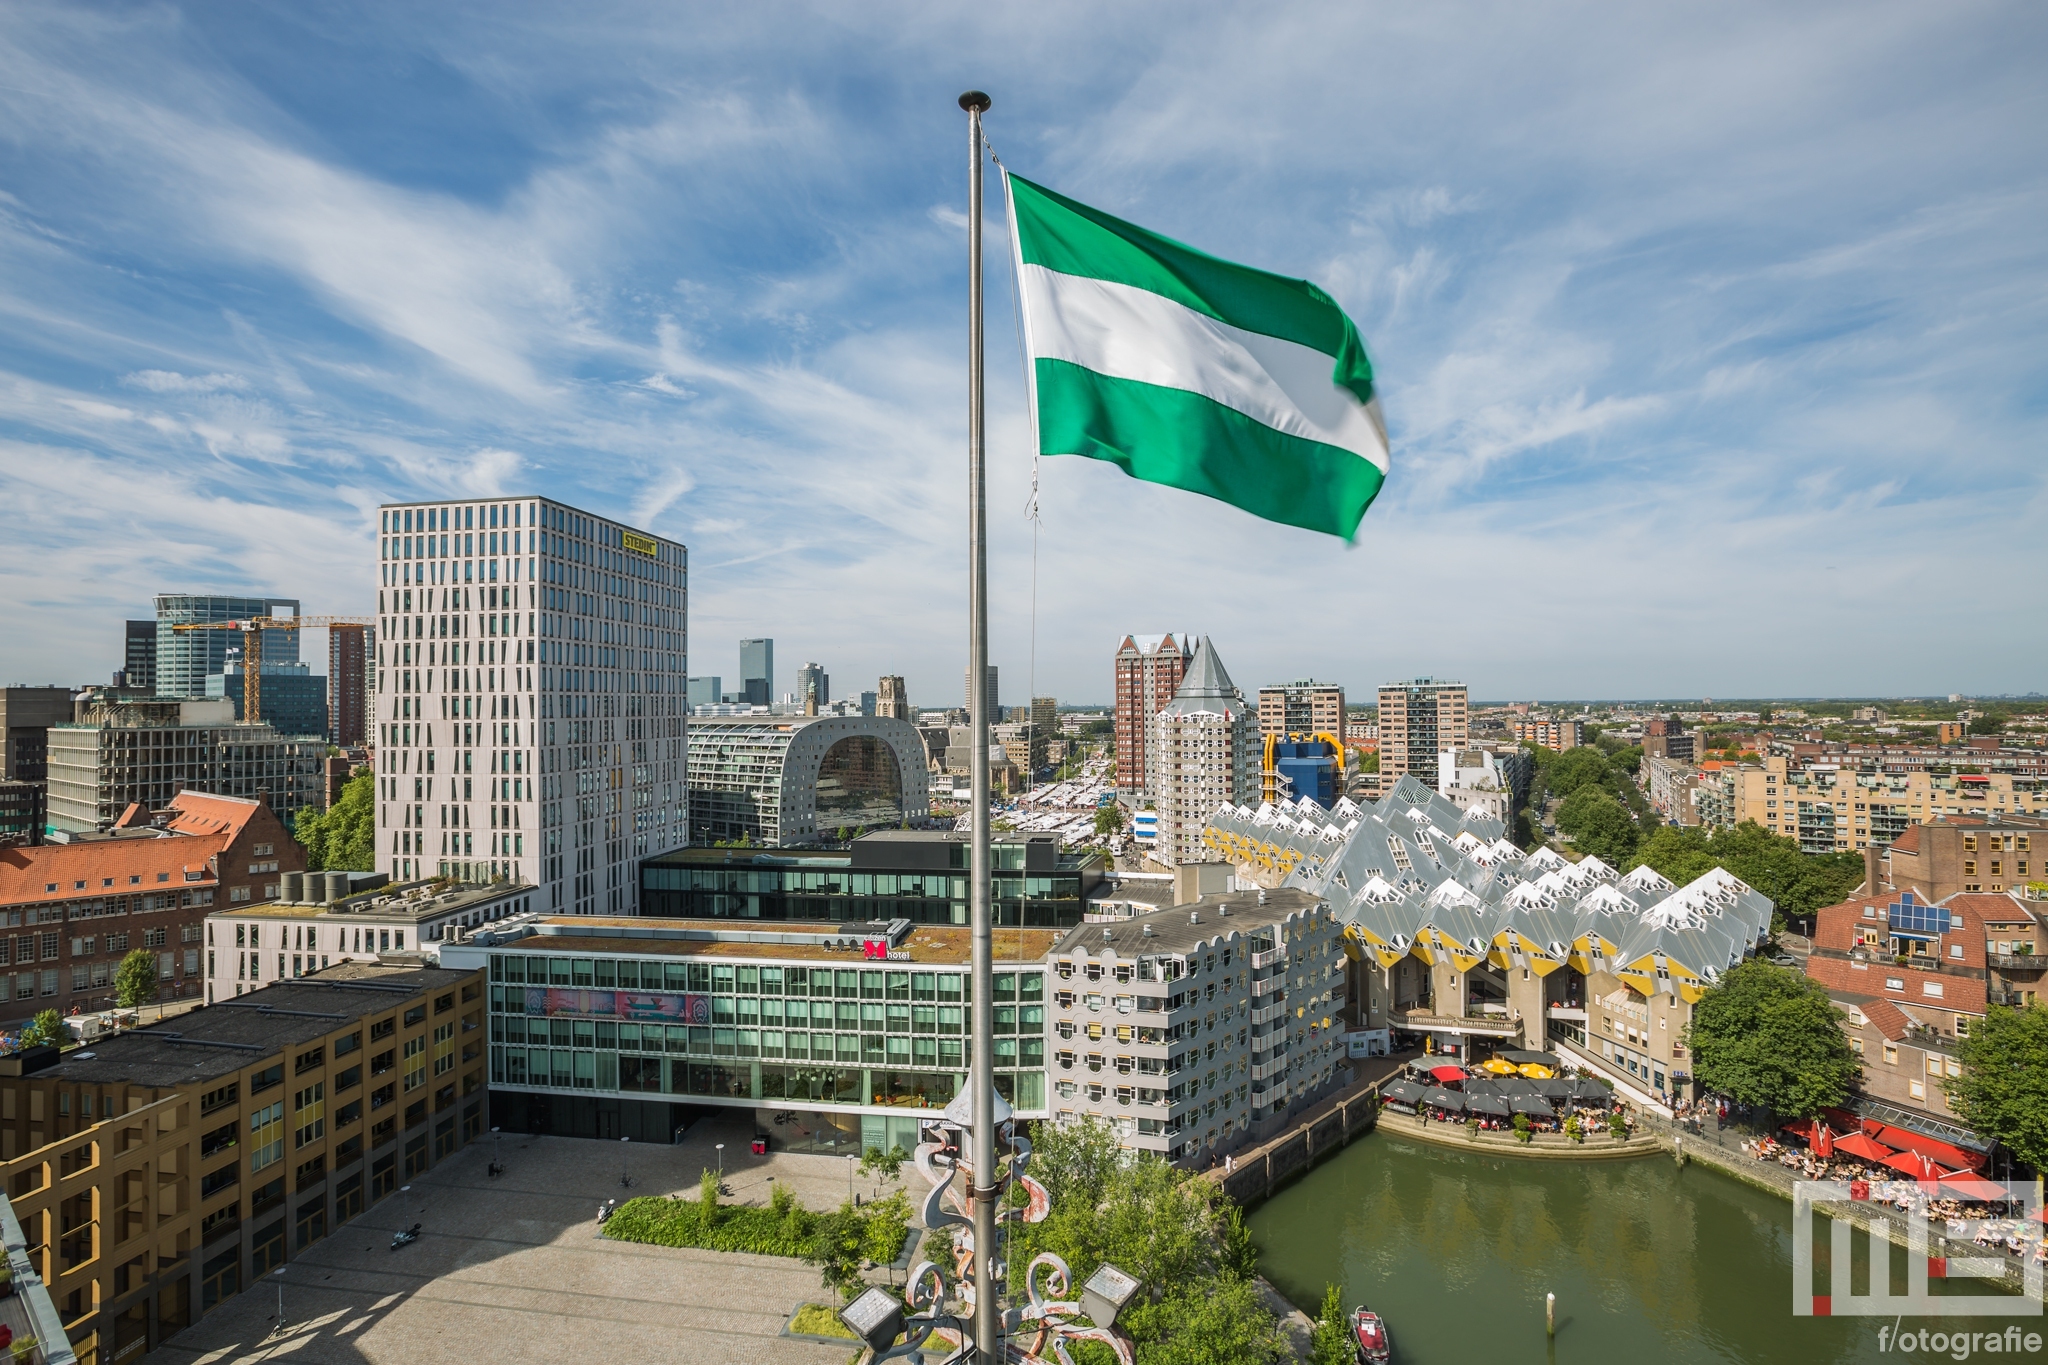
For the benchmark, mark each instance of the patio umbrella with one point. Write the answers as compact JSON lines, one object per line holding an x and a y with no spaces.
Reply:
{"x":1534,"y":1105}
{"x":1553,"y":1089}
{"x":1447,"y":1074}
{"x":1405,"y":1092}
{"x":1440,"y":1098}
{"x":1823,"y":1140}
{"x":1591,"y":1092}
{"x":1861,"y":1145}
{"x":1481,"y":1085}
{"x":1536,"y":1071}
{"x":1968,"y":1186}
{"x":1548,"y":1059}
{"x":1495,"y":1105}
{"x":1499,"y":1066}
{"x":1515,"y":1085}
{"x":1914,"y":1165}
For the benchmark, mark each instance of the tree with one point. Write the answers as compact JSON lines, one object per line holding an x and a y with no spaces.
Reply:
{"x":1331,"y":1344}
{"x":45,"y":1030}
{"x":343,"y":838}
{"x":1770,"y":1037}
{"x":135,"y":981}
{"x":1109,"y":820}
{"x":1797,"y":883}
{"x":1584,"y":766}
{"x":2003,"y":1091}
{"x":1598,"y":825}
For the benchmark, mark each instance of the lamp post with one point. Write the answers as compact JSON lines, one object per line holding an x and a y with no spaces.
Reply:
{"x":625,"y":1176}
{"x":849,"y":1177}
{"x":721,"y":1163}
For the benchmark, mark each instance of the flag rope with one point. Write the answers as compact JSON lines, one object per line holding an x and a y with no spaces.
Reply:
{"x":1031,"y":506}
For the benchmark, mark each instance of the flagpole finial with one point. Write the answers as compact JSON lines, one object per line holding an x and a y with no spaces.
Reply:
{"x":974,"y":102}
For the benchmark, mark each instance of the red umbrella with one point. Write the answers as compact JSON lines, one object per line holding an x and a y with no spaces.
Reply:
{"x":1946,"y":1153}
{"x":1823,"y":1140}
{"x":1914,"y":1165}
{"x":1972,"y":1187}
{"x":1447,"y":1074}
{"x":1798,"y":1128}
{"x":1862,"y":1145}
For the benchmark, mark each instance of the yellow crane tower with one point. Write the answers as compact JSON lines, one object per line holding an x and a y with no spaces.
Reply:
{"x":252,"y":628}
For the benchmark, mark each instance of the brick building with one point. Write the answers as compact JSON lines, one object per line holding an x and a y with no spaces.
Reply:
{"x":1149,"y":669}
{"x":1419,"y":720}
{"x":69,"y":912}
{"x":1302,"y":708}
{"x":1987,"y":852}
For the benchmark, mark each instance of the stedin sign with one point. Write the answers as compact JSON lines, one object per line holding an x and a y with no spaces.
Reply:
{"x":1918,"y":1300}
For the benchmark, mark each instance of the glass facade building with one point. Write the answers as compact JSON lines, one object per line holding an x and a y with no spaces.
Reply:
{"x":916,"y":875}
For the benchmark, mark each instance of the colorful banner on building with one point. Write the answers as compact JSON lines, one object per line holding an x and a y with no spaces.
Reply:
{"x":653,"y":1006}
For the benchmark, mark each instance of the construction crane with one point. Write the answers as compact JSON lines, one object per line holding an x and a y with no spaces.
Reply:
{"x":252,"y":628}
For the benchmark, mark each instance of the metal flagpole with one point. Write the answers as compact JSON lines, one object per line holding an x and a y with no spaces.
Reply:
{"x":982,"y":1077}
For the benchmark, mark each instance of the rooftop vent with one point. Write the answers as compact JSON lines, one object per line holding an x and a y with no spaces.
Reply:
{"x":1108,"y":935}
{"x":1262,"y":897}
{"x":1148,"y":931}
{"x":1194,"y":917}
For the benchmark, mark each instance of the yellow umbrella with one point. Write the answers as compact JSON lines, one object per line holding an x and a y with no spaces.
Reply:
{"x":1498,"y":1066}
{"x":1535,"y":1071}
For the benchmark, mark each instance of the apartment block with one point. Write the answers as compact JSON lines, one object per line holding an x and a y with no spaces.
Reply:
{"x":1964,"y":853}
{"x":1549,"y":734}
{"x":531,"y":698}
{"x":1419,"y":720}
{"x":1306,"y":707}
{"x":1194,"y":1029}
{"x":70,"y":911}
{"x":1832,"y":809}
{"x":171,"y":1167}
{"x":1203,"y":756}
{"x":1148,"y":672}
{"x":349,"y":701}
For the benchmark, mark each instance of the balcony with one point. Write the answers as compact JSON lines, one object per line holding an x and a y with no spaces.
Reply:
{"x":1422,"y":1021}
{"x":2020,"y":962}
{"x":1267,"y":959}
{"x":1269,"y":985}
{"x":1265,"y":1014}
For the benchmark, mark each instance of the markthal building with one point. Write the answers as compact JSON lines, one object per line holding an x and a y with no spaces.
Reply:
{"x":1466,"y":945}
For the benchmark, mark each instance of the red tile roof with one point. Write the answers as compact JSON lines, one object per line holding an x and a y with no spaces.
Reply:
{"x":1887,"y":1018}
{"x":204,"y":813}
{"x":1959,"y":994}
{"x":179,"y":856}
{"x":1909,"y":842}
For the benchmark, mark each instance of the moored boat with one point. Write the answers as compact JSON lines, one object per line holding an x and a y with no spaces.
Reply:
{"x":1369,"y":1337}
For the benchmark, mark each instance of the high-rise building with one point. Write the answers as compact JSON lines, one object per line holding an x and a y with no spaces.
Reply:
{"x":991,"y":707}
{"x":1149,"y":669}
{"x":892,"y":701}
{"x":138,"y":656}
{"x":347,"y":685}
{"x":294,"y":701}
{"x":1203,"y":756}
{"x":757,"y":672}
{"x":1302,"y":708}
{"x":813,"y":686}
{"x":1550,"y":734}
{"x":707,"y":690}
{"x":144,"y":753}
{"x":26,"y":715}
{"x":531,"y":678}
{"x":1418,"y":721}
{"x":185,"y":659}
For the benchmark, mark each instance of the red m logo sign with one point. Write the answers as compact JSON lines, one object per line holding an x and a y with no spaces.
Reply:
{"x":875,"y":948}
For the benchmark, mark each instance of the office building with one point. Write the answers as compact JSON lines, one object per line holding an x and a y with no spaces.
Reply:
{"x":348,"y":686}
{"x":26,"y":715}
{"x":706,"y":691}
{"x":294,"y":700}
{"x":144,"y":753}
{"x":757,"y":673}
{"x":1149,"y":669}
{"x":1419,"y":720}
{"x":204,"y":1153}
{"x":992,"y":710}
{"x":918,"y":875}
{"x":1302,"y":708}
{"x":834,"y":1038}
{"x":531,"y":699}
{"x":22,"y":818}
{"x":185,"y":659}
{"x":321,"y":918}
{"x":813,"y":687}
{"x":138,"y":657}
{"x":779,"y":780}
{"x":892,"y":700}
{"x":1549,"y":734}
{"x":74,"y":909}
{"x":1203,"y":756}
{"x":1194,"y":1029}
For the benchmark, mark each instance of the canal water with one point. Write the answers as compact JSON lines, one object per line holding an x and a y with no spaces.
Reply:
{"x":1649,"y":1262}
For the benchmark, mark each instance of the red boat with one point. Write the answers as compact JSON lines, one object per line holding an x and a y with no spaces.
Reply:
{"x":1374,"y":1345}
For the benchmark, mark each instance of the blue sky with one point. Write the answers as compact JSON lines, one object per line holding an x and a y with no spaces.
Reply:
{"x":1710,"y":338}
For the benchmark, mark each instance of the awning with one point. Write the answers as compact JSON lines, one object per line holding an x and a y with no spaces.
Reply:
{"x":1798,"y":1128}
{"x":1440,"y":1098}
{"x":1405,"y":1092}
{"x":1532,"y":1104}
{"x":1487,"y":1104}
{"x":1948,"y":1154}
{"x":1447,"y":1074}
{"x":1972,"y":1187}
{"x":1862,"y":1145}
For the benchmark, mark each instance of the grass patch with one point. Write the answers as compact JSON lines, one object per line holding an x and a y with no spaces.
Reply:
{"x":816,"y":1320}
{"x":875,"y":1232}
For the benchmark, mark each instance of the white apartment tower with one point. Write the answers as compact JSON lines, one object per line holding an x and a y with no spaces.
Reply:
{"x":1202,"y":756}
{"x":530,"y":698}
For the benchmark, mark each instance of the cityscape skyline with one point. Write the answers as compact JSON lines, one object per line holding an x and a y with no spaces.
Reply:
{"x":1734,"y":350}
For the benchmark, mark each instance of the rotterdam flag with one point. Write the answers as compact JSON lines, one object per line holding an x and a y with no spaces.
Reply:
{"x":1194,"y":372}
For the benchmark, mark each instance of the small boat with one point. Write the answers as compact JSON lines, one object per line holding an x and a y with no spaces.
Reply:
{"x":1374,"y":1345}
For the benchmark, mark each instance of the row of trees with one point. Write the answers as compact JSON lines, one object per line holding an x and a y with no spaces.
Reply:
{"x":1770,"y":1037}
{"x":342,"y":838}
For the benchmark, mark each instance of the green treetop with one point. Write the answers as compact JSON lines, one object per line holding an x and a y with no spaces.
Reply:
{"x":1768,"y":1036}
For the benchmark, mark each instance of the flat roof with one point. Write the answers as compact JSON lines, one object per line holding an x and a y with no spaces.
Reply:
{"x":1174,"y":931}
{"x":927,"y":944}
{"x":383,"y":903}
{"x":224,"y":1037}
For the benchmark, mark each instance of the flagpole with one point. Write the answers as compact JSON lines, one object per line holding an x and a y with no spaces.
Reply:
{"x":982,"y":1077}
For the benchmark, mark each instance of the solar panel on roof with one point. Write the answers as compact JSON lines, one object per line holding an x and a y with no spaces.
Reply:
{"x":1912,"y":915}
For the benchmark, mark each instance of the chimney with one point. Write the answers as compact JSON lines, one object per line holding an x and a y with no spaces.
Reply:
{"x":1871,"y":885}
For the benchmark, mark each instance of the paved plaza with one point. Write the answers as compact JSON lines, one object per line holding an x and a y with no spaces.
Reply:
{"x":511,"y":1270}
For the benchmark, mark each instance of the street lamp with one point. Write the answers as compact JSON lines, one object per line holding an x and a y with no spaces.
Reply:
{"x":1106,"y":1293}
{"x":876,"y":1317}
{"x":625,"y":1177}
{"x":849,"y":1175}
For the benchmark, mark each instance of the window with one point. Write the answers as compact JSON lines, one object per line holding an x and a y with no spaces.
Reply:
{"x":1891,"y":1054}
{"x":309,"y":1114}
{"x":216,"y":1099}
{"x":264,"y":1079}
{"x":1931,"y":989}
{"x":415,"y":1063}
{"x":266,"y":1136}
{"x":347,"y":1043}
{"x":308,"y":1061}
{"x":1895,"y":983}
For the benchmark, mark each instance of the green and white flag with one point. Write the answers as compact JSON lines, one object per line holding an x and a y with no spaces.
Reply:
{"x":1191,"y":371}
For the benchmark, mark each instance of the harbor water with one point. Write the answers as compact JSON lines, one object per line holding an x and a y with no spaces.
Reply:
{"x":1649,"y":1262}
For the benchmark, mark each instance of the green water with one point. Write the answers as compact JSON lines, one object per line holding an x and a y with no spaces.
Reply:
{"x":1649,"y":1263}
